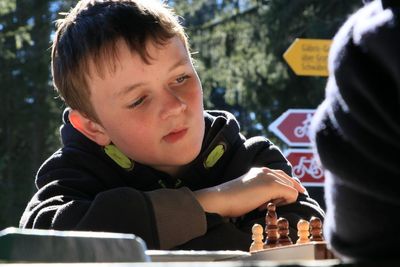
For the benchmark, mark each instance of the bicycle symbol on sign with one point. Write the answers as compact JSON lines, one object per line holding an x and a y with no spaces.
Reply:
{"x":313,"y":169}
{"x":301,"y":131}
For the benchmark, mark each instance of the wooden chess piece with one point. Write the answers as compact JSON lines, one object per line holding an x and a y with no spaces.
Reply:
{"x":271,"y":228}
{"x":303,"y":231}
{"x":257,"y":237}
{"x":283,"y":231}
{"x":316,"y":229}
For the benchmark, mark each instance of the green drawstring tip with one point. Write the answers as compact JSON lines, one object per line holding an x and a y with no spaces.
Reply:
{"x":118,"y":157}
{"x":214,"y":156}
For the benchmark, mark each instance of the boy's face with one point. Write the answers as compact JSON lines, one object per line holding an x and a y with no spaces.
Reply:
{"x":152,"y":112}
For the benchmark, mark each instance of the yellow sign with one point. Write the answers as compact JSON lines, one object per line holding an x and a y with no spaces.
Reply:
{"x":308,"y":57}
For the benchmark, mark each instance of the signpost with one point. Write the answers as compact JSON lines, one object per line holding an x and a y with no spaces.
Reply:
{"x":305,"y":167}
{"x":292,"y":126}
{"x":308,"y":57}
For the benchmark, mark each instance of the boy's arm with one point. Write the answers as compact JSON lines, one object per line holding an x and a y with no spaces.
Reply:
{"x":249,"y":191}
{"x":259,"y":151}
{"x":164,"y":218}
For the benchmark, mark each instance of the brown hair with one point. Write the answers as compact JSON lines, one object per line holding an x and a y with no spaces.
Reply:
{"x":91,"y":30}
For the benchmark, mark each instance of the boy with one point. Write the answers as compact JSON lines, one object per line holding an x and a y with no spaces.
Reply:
{"x":140,"y":155}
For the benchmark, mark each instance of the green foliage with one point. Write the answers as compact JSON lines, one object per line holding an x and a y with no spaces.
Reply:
{"x":28,"y":109}
{"x":7,"y":6}
{"x":18,"y":33}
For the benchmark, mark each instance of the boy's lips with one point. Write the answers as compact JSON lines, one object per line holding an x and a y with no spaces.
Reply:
{"x":175,"y":135}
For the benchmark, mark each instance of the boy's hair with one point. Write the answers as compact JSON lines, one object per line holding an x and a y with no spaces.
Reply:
{"x":90,"y":32}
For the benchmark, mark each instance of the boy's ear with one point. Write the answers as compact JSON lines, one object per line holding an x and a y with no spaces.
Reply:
{"x":89,"y":128}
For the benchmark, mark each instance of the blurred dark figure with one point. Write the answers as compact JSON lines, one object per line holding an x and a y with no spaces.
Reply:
{"x":356,"y":134}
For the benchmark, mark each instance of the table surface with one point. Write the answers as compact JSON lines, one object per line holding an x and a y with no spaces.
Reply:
{"x":314,"y":263}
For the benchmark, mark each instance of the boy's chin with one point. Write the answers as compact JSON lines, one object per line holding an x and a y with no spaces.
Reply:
{"x":187,"y":160}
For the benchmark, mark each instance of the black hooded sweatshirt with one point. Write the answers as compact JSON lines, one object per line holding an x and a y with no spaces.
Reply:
{"x":81,"y":188}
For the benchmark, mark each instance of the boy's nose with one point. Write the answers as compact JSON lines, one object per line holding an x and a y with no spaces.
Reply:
{"x":172,"y":104}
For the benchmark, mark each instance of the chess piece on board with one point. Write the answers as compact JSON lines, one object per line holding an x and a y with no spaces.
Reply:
{"x":283,"y":232}
{"x":303,"y":231}
{"x":316,"y":229}
{"x":271,"y":228}
{"x":257,"y":237}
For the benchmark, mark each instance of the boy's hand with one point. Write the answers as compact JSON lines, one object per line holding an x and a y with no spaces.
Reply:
{"x":249,"y":191}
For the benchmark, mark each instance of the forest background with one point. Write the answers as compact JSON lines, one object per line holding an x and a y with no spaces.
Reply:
{"x":239,"y":47}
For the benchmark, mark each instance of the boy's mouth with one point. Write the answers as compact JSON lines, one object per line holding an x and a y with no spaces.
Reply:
{"x":175,"y":135}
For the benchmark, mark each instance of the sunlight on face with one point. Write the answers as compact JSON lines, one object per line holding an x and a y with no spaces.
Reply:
{"x":152,"y":112}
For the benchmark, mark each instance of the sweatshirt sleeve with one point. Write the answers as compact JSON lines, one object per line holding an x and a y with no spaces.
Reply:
{"x":66,"y":205}
{"x":179,"y":218}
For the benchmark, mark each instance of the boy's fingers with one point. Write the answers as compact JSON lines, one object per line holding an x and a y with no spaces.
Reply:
{"x":280,"y":175}
{"x":293,"y":182}
{"x":289,"y":196}
{"x":279,"y":201}
{"x":299,"y":186}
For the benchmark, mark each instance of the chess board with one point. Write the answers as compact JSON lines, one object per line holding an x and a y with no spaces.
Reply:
{"x":316,"y":250}
{"x":49,"y":246}
{"x":25,"y":245}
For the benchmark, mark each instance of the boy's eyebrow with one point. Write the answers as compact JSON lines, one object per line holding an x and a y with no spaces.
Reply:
{"x":128,"y":88}
{"x":180,"y":62}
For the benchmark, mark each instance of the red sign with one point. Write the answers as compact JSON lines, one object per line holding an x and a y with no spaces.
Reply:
{"x":292,"y":126}
{"x":306,"y":167}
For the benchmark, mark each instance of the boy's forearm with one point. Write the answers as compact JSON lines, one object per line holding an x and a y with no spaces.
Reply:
{"x":211,"y":200}
{"x":225,"y":199}
{"x":248,"y":192}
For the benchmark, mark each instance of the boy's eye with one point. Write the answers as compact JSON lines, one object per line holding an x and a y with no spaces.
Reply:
{"x":182,"y":79}
{"x":137,"y":102}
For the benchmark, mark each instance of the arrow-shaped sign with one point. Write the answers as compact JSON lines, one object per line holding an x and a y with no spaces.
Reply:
{"x":308,"y":57}
{"x":292,"y":126}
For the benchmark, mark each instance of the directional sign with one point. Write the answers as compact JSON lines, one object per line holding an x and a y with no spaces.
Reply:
{"x":305,"y":167}
{"x":308,"y":57}
{"x":292,"y":126}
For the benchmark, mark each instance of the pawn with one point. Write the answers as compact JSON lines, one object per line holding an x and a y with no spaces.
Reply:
{"x":316,"y":229}
{"x":303,"y":231}
{"x":271,"y":228}
{"x":257,"y":237}
{"x":283,"y":231}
